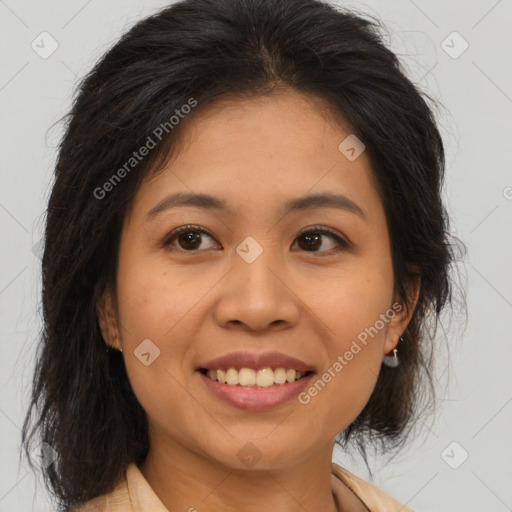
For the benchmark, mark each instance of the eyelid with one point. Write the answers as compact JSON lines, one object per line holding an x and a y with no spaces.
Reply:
{"x":342,"y":241}
{"x":323,"y":230}
{"x":184,"y":229}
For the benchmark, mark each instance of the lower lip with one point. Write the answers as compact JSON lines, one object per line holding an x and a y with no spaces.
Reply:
{"x":256,"y":399}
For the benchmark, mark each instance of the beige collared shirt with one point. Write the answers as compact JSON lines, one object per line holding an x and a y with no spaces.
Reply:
{"x":143,"y":499}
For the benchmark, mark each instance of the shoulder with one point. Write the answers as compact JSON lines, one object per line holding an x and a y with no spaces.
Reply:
{"x":116,"y":501}
{"x":374,"y":498}
{"x":133,"y":493}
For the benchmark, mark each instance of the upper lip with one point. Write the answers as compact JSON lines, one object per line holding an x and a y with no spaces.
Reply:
{"x":256,"y":361}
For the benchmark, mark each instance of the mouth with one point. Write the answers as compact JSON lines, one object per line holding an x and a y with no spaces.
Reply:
{"x":255,"y":382}
{"x":254,"y":390}
{"x":262,"y":378}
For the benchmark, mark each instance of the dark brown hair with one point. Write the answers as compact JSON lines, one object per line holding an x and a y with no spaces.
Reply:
{"x":206,"y":50}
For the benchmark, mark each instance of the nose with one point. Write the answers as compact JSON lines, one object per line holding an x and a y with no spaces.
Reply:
{"x":257,"y":296}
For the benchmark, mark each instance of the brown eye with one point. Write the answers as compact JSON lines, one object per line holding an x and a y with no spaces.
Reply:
{"x":188,"y":238}
{"x":312,"y":240}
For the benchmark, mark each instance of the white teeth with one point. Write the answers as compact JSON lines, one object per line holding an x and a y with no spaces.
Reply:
{"x":249,"y":377}
{"x":265,"y":377}
{"x":290,"y":375}
{"x":279,"y":375}
{"x":232,"y":377}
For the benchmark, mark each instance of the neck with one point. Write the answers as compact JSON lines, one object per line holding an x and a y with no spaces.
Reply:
{"x":185,"y":480}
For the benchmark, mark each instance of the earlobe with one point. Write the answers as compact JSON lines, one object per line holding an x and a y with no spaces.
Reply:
{"x":392,"y":361}
{"x":107,"y":321}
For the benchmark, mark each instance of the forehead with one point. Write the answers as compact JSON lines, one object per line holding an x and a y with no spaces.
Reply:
{"x":267,"y":148}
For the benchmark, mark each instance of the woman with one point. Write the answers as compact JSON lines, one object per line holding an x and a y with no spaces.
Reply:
{"x":244,"y":241}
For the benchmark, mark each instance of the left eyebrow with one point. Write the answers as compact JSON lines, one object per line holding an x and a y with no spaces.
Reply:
{"x":208,"y":202}
{"x":325,"y":200}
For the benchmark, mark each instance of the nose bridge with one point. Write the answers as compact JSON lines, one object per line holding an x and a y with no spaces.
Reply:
{"x":252,"y":264}
{"x":257,"y":295}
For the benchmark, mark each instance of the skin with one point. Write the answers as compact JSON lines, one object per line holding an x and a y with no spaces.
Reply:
{"x":197,"y":305}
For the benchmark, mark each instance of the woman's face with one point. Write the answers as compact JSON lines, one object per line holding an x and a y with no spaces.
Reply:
{"x":253,"y":282}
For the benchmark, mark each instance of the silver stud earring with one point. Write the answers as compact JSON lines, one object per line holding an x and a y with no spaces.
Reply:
{"x":392,"y":361}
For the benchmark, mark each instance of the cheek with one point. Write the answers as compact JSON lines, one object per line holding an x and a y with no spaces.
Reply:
{"x":353,"y":344}
{"x":350,"y":307}
{"x":154,"y":321}
{"x":152,"y":302}
{"x":159,"y":315}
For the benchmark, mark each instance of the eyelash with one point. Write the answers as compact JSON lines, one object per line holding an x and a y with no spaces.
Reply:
{"x":319,"y":230}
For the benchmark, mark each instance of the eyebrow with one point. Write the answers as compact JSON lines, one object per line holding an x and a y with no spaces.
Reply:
{"x":208,"y":202}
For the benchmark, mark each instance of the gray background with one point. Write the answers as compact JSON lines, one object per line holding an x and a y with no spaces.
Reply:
{"x":475,"y":406}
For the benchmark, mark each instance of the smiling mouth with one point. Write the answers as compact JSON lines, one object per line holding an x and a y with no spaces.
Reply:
{"x":252,"y":378}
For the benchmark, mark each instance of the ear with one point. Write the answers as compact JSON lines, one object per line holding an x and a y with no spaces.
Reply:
{"x":108,"y":321}
{"x":402,"y":317}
